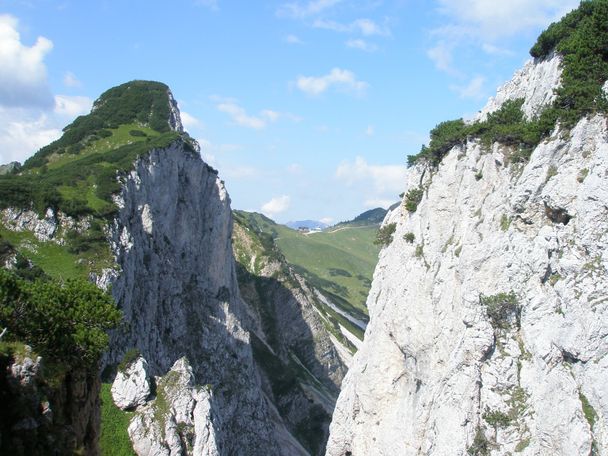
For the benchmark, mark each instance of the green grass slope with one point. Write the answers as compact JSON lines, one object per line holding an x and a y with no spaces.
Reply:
{"x":339,"y":261}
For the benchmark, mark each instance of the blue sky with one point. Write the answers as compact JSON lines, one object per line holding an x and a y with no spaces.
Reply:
{"x":308,"y":108}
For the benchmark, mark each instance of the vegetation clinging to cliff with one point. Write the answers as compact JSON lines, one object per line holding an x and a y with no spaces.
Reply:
{"x":581,"y":38}
{"x":64,"y":322}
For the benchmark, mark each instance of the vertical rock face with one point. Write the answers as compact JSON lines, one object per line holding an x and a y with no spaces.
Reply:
{"x":300,"y":365}
{"x":41,"y":415}
{"x":488,"y":334}
{"x":178,"y":290}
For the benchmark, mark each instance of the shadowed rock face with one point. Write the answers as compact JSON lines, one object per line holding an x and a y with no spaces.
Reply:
{"x":42,"y":416}
{"x":438,"y":373}
{"x":178,"y":290}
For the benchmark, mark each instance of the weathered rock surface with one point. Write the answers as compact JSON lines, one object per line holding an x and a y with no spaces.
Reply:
{"x":177,"y":288}
{"x":131,"y":387}
{"x":436,"y":374}
{"x":180,"y":419}
{"x":535,"y":83}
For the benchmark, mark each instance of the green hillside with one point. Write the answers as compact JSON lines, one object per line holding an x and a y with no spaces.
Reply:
{"x":77,"y":175}
{"x":339,"y":261}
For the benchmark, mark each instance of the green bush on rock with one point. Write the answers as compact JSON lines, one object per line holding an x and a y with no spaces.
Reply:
{"x":385,"y":234}
{"x":502,"y":309}
{"x":66,"y":322}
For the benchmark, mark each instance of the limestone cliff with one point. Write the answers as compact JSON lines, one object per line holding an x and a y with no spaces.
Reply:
{"x":489,"y":309}
{"x":176,"y":285}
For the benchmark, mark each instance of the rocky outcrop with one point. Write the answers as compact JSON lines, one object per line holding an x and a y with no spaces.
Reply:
{"x":179,"y":420}
{"x":46,"y":411}
{"x":178,"y":291}
{"x":131,"y":386}
{"x":488,"y":334}
{"x":535,"y":83}
{"x":299,"y":360}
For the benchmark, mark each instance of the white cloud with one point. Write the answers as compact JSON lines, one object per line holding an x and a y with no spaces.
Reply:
{"x":72,"y":106}
{"x":189,"y":120}
{"x":364,"y":26}
{"x":474,"y":89}
{"x":293,"y":39}
{"x":70,"y":80}
{"x":240,"y":116}
{"x":502,"y":19}
{"x":327,"y":220}
{"x":23,"y":81}
{"x":22,"y":133}
{"x":484,"y":25}
{"x":379,"y":178}
{"x":276,"y":205}
{"x":338,"y":77}
{"x":300,"y":10}
{"x":369,"y":131}
{"x":362,"y":45}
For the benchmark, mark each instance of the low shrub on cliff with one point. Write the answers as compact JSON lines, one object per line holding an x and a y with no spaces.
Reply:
{"x":413,"y":198}
{"x":65,"y":322}
{"x":502,"y":309}
{"x":385,"y":234}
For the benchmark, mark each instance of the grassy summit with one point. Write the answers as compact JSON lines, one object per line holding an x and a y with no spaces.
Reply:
{"x":77,"y":173}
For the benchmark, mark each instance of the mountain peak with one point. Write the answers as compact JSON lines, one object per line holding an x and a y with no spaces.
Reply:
{"x":147,"y":102}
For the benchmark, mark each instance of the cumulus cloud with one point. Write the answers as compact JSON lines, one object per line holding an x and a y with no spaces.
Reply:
{"x":189,"y":120}
{"x":23,"y":79}
{"x":337,"y":77}
{"x":22,"y":133}
{"x":72,"y":106}
{"x":381,"y":179}
{"x":276,"y":205}
{"x":327,"y":220}
{"x":240,"y":116}
{"x":361,"y":45}
{"x":301,"y":10}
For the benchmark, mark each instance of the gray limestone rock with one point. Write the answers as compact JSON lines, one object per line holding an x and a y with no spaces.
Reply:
{"x":437,"y":371}
{"x":131,"y":387}
{"x":178,"y":291}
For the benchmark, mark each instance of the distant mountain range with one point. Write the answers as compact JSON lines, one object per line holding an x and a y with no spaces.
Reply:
{"x":371,"y":217}
{"x":307,"y":224}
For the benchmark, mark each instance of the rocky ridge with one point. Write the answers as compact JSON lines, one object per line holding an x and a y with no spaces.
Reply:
{"x":487,"y":333}
{"x":302,"y":367}
{"x":176,"y":285}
